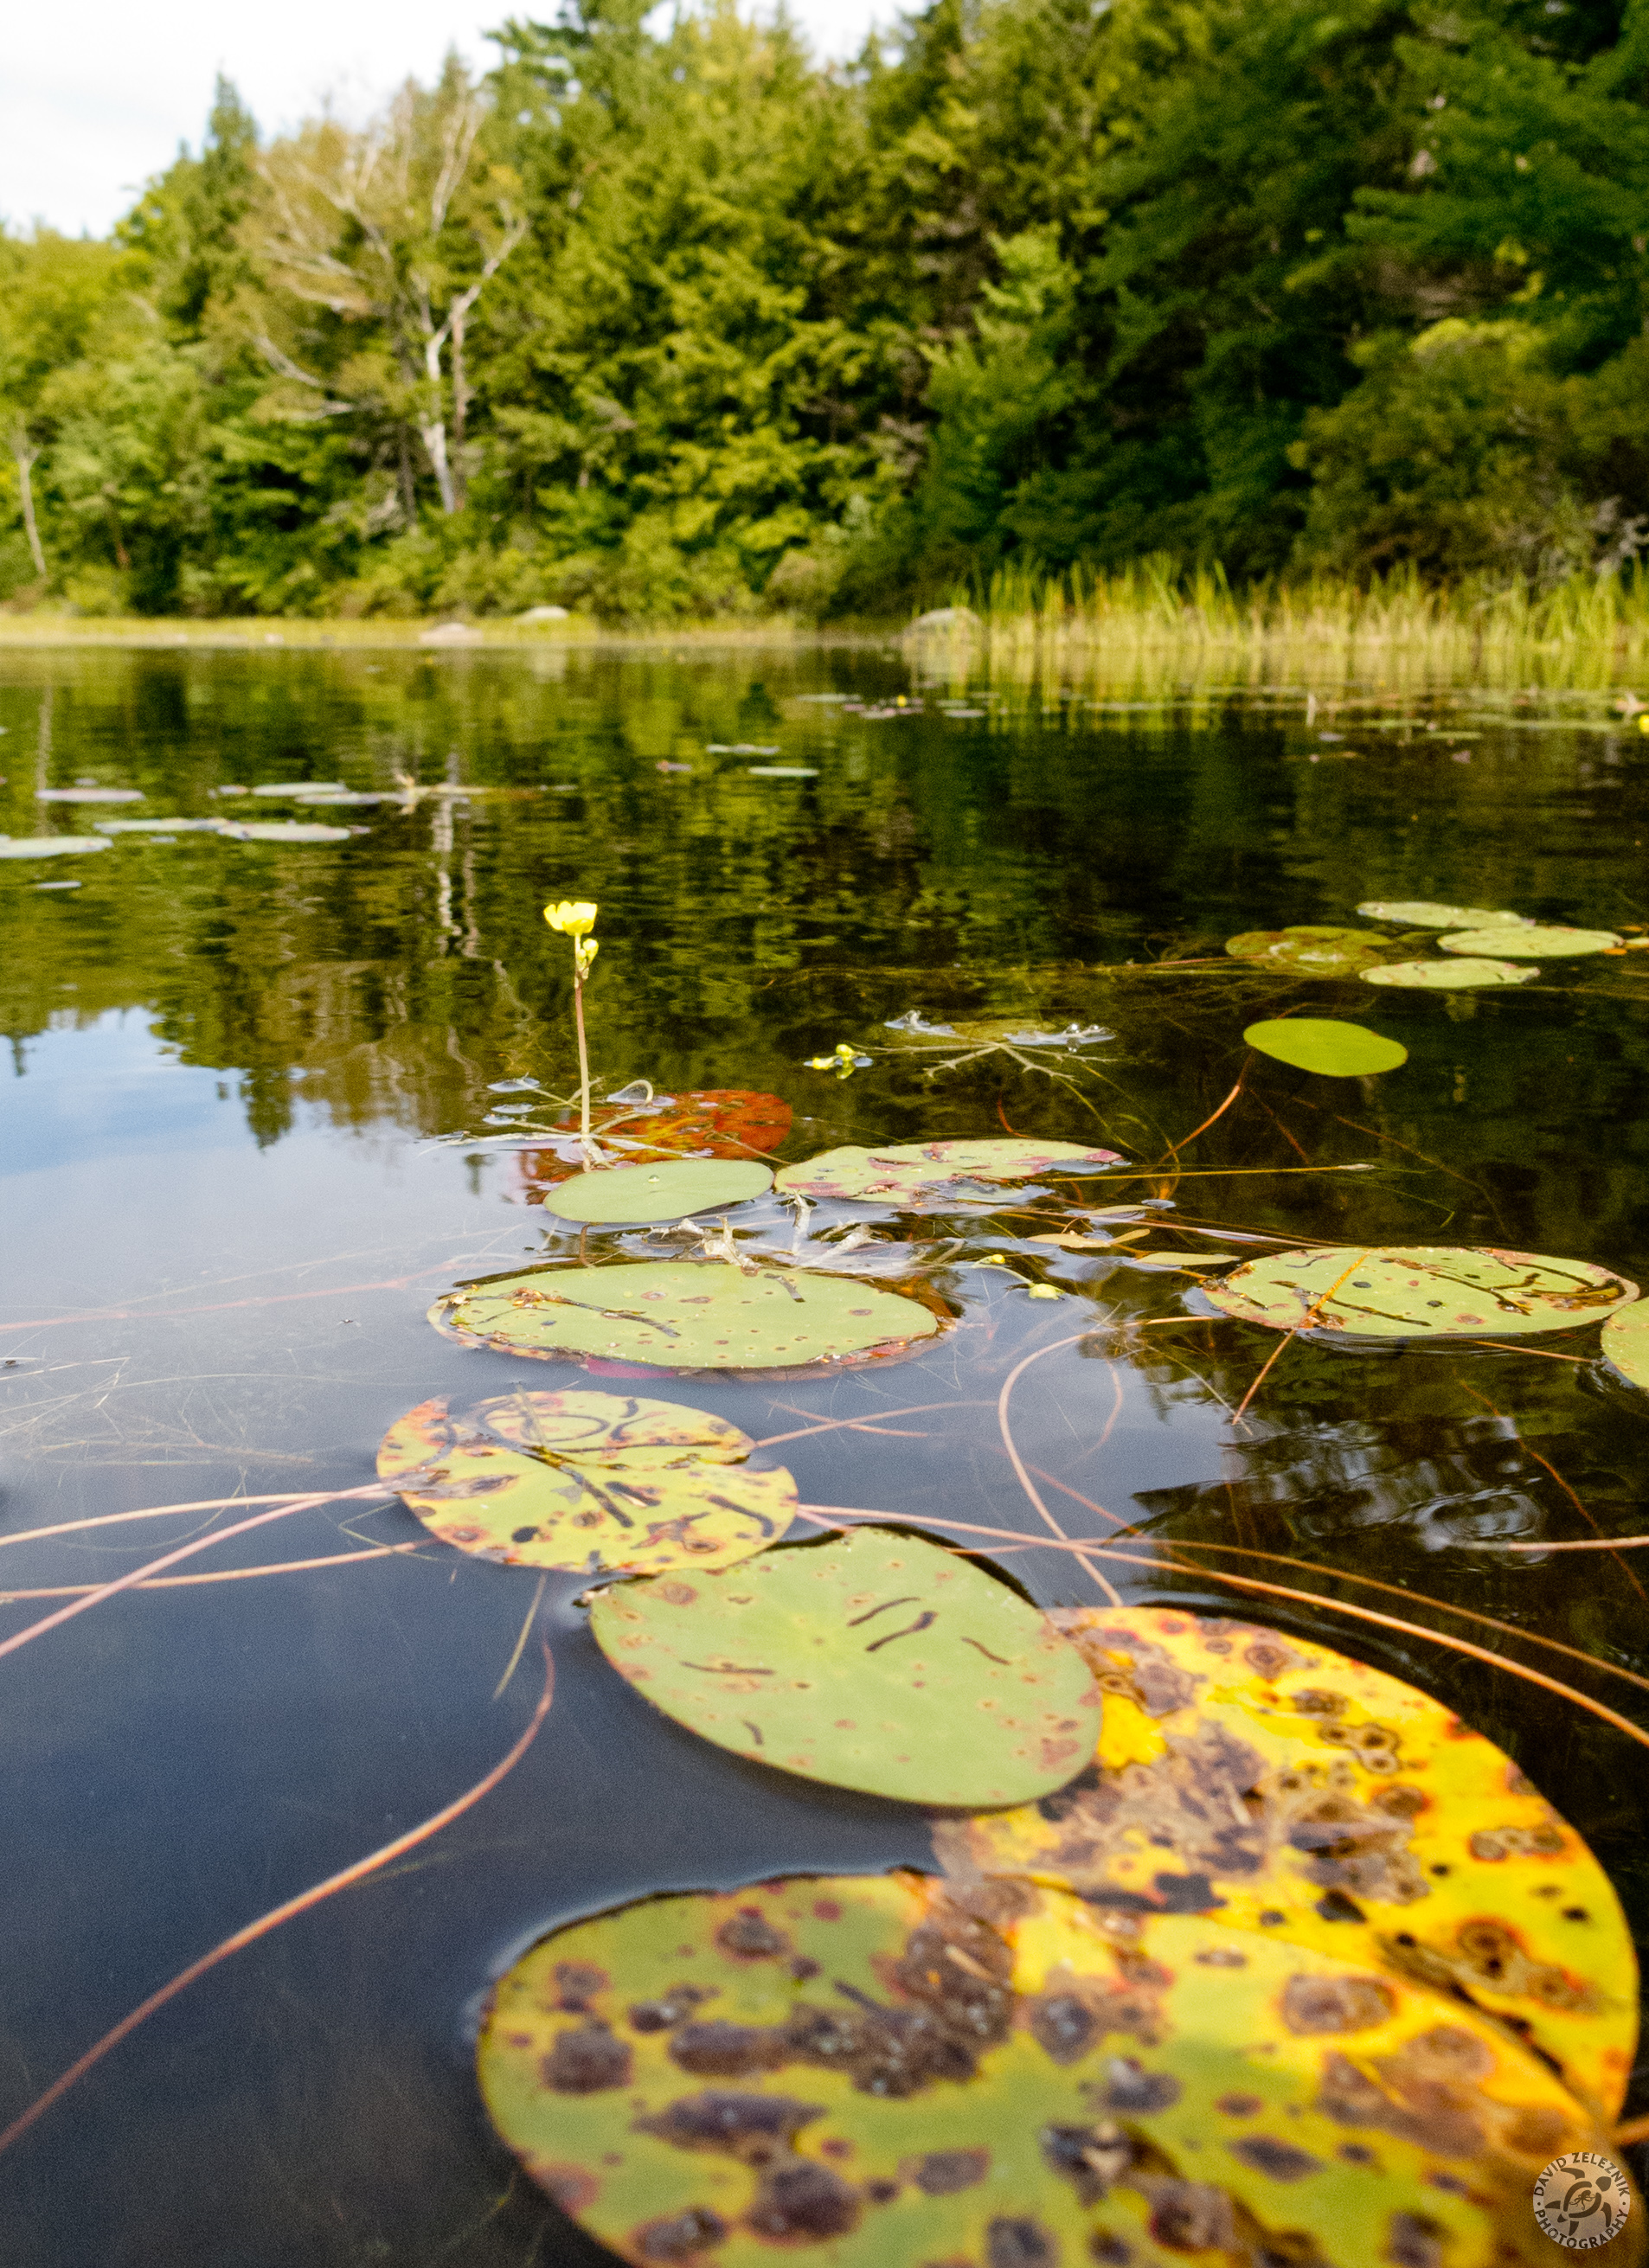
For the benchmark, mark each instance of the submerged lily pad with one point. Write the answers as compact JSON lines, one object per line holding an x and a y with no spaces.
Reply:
{"x":880,"y":2072}
{"x":1321,"y":1043}
{"x":1420,"y":913}
{"x":1292,"y":1790}
{"x":1626,"y":1343}
{"x":1304,"y":950}
{"x":684,"y":1315}
{"x":873,"y":1660}
{"x":604,"y":1483}
{"x":668,"y":1190}
{"x":1533,"y":942}
{"x":1419,"y":1290}
{"x":50,"y":846}
{"x":1450,"y":976}
{"x":914,"y":1173}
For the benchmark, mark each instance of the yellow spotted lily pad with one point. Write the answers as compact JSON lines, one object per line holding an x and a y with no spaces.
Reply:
{"x":669,"y":1190}
{"x":1461,"y":975}
{"x":1419,"y":1290}
{"x":1308,"y":950}
{"x":873,"y":1660}
{"x":914,"y":1175}
{"x":603,"y":1483}
{"x":1626,"y":1343}
{"x":882,"y":2073}
{"x":683,"y":1315}
{"x":1532,"y":942}
{"x":1420,"y":913}
{"x":1291,"y":1791}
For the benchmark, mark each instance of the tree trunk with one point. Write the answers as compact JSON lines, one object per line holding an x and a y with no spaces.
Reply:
{"x":25,"y":456}
{"x":432,"y":429}
{"x":461,"y":406}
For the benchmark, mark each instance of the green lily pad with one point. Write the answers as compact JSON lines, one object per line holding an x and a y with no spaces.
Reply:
{"x":683,"y":1315}
{"x":669,"y":1190}
{"x":1626,"y":1343}
{"x":1420,"y":913}
{"x":49,"y":846}
{"x":912,"y":1174}
{"x":1419,"y":1290}
{"x":873,"y":1660}
{"x":1321,"y":1043}
{"x":88,"y":795}
{"x":717,"y":1122}
{"x":1304,"y":951}
{"x":1450,"y":976}
{"x":606,"y":1483}
{"x":283,"y":831}
{"x":1533,"y":942}
{"x":892,"y":2072}
{"x":159,"y":825}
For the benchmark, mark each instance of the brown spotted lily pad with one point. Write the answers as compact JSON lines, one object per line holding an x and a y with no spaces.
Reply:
{"x":1420,"y":1290}
{"x":601,"y":1483}
{"x":882,"y":2073}
{"x":1296,"y":1792}
{"x":873,"y":1660}
{"x":684,"y":1315}
{"x":917,"y":1175}
{"x":712,"y":1122}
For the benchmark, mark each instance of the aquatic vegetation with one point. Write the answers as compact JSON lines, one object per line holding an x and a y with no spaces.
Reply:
{"x":722,"y":1122}
{"x":875,"y":1661}
{"x":665,"y":1191}
{"x":601,"y":1483}
{"x":575,"y":918}
{"x":1531,"y":941}
{"x":49,"y":846}
{"x":1419,"y":1292}
{"x":1282,"y":1788}
{"x":1420,"y":913}
{"x":918,"y":1175}
{"x":1463,"y":976}
{"x":1626,"y":1343}
{"x":899,"y":2070}
{"x":684,"y":1315}
{"x":1303,"y":951}
{"x":1325,"y":1045}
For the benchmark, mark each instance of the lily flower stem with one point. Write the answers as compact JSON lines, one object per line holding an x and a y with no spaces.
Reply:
{"x":592,"y":1156}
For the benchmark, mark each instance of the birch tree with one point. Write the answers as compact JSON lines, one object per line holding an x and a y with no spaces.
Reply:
{"x":395,"y":231}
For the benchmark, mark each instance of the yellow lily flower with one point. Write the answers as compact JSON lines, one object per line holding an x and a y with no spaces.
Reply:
{"x":572,"y":917}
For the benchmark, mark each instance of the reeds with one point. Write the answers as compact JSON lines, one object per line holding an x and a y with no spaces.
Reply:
{"x":1158,"y":619}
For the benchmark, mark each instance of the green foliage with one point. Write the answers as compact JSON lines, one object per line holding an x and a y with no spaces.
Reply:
{"x":675,"y":323}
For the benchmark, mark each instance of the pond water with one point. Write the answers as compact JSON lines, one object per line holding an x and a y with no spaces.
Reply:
{"x":258,"y":1118}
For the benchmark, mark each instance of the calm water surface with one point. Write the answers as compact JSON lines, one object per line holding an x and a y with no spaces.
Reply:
{"x":246,"y":1140}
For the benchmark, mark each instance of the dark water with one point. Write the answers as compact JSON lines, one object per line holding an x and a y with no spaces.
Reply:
{"x":226,"y":1210}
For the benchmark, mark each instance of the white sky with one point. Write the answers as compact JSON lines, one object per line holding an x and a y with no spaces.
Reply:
{"x":93,"y":102}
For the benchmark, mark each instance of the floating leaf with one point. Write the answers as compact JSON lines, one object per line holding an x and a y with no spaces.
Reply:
{"x":716,"y":1122}
{"x":668,"y":1190}
{"x":149,"y":826}
{"x":1419,"y":1290}
{"x":88,"y":795}
{"x":289,"y":788}
{"x":783,"y":771}
{"x":283,"y":831}
{"x":996,"y":1032}
{"x":50,"y":846}
{"x":1292,"y":1790}
{"x":603,"y":1482}
{"x":1450,"y":976}
{"x":1321,"y":1043}
{"x":1304,"y":951}
{"x":1420,"y":913}
{"x":873,"y":1660}
{"x":914,"y":1173}
{"x":876,"y":2074}
{"x":1626,"y":1343}
{"x":1533,"y":942}
{"x":684,"y":1315}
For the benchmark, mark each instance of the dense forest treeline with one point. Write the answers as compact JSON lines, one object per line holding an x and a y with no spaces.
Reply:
{"x":681,"y":323}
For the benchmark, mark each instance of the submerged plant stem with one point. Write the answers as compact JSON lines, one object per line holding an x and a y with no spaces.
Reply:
{"x":344,"y":1879}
